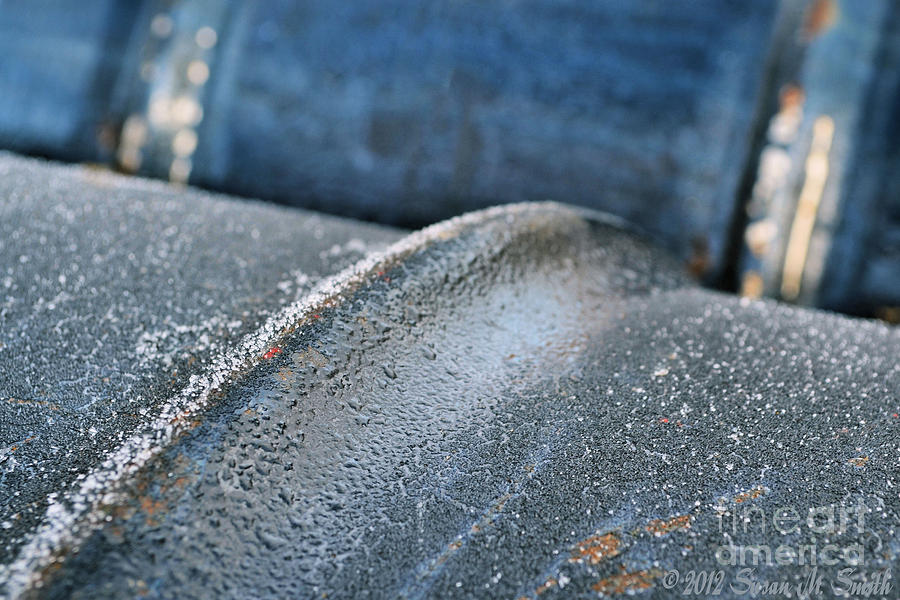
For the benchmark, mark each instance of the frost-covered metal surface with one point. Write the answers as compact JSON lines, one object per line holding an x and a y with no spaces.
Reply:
{"x":113,"y":292}
{"x":522,"y":402}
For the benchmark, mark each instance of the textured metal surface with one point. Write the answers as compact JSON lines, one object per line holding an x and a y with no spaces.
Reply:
{"x":526,"y":401}
{"x":113,"y":292}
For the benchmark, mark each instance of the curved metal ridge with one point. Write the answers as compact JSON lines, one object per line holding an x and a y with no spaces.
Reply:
{"x":522,"y":402}
{"x":68,"y":520}
{"x":113,"y":292}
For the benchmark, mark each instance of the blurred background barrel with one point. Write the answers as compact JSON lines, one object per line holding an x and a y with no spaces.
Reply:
{"x":695,"y":121}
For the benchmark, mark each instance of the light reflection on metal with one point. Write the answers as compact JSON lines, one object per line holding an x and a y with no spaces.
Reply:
{"x":134,"y":135}
{"x":184,"y":143}
{"x":198,"y":72}
{"x":180,"y":170}
{"x":807,"y":208}
{"x":161,"y":26}
{"x":161,"y":135}
{"x":206,"y":37}
{"x":752,"y":285}
{"x":771,"y":202}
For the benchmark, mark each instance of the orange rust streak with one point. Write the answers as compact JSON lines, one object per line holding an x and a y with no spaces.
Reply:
{"x":751,"y":495}
{"x":596,"y":548}
{"x":663,"y":526}
{"x":545,"y":586}
{"x":627,"y":582}
{"x":150,"y":506}
{"x":820,"y":17}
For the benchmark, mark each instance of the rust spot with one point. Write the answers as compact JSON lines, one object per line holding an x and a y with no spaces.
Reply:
{"x":180,"y":417}
{"x":822,"y":14}
{"x":49,"y":405}
{"x":699,"y":262}
{"x":117,"y":531}
{"x":545,"y":586}
{"x":502,"y":502}
{"x":663,"y":526}
{"x":752,"y":284}
{"x":791,"y":97}
{"x":751,"y":495}
{"x":627,"y":582}
{"x":51,"y":568}
{"x":859,"y":461}
{"x":151,"y":506}
{"x":451,"y":548}
{"x":891,"y":314}
{"x":596,"y":548}
{"x":121,"y":512}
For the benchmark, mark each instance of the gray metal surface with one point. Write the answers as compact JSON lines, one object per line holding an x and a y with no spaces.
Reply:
{"x":527,"y":401}
{"x":113,"y":292}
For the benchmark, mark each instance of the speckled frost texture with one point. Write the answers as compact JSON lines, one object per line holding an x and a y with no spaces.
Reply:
{"x":114,"y":291}
{"x":522,"y":402}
